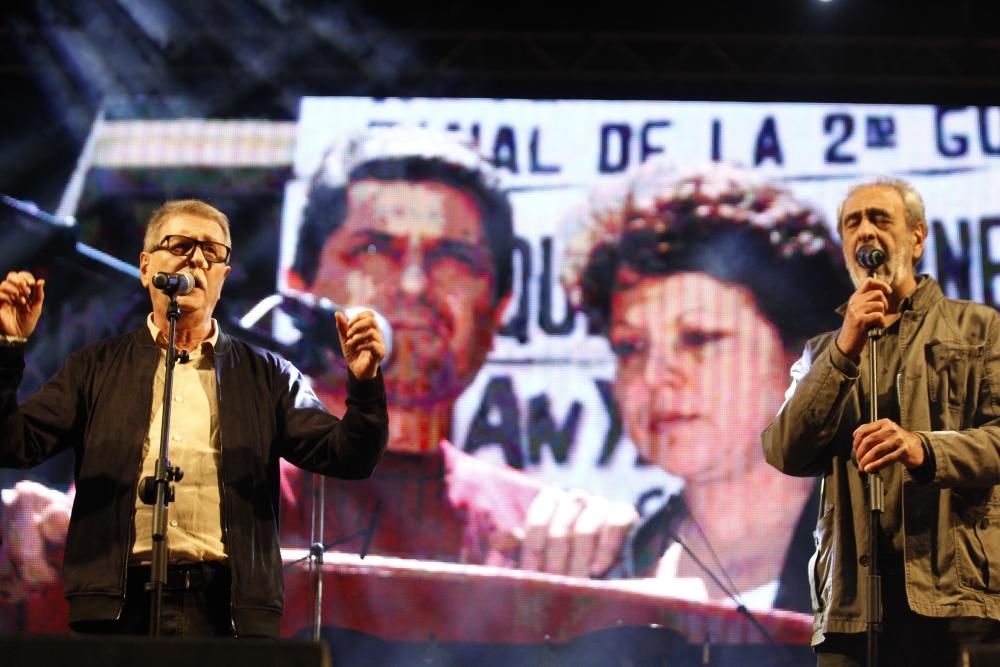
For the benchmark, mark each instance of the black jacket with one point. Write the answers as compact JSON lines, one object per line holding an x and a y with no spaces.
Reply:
{"x":99,"y":405}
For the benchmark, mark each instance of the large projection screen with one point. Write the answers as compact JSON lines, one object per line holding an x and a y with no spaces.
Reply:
{"x":658,"y":406}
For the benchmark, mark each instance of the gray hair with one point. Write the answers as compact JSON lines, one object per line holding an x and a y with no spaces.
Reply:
{"x":192,"y":207}
{"x":913,"y":203}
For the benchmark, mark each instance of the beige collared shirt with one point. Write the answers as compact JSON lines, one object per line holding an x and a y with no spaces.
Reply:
{"x":195,"y":521}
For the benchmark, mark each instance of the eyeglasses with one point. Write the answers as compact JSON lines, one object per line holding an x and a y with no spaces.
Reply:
{"x":184,"y":246}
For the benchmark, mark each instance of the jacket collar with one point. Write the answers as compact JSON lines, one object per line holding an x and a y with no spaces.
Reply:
{"x":144,"y":339}
{"x":926,"y":294}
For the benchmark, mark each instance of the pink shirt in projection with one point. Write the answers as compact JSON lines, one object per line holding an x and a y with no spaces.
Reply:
{"x":440,"y":505}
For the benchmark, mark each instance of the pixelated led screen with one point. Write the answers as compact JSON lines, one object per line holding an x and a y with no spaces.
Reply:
{"x":603,"y":297}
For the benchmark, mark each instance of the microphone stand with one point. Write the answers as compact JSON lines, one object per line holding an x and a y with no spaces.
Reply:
{"x":157,"y":490}
{"x":316,"y":550}
{"x":317,"y":547}
{"x":876,"y":497}
{"x":734,"y":596}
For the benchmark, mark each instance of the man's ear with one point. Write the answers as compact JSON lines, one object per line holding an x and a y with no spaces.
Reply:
{"x":919,"y":236}
{"x":144,"y":269}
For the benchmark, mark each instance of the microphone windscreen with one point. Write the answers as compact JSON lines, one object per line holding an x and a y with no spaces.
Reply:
{"x":185,"y":283}
{"x":870,"y":257}
{"x":177,"y":283}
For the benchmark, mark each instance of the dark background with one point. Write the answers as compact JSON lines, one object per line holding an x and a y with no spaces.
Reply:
{"x":61,"y":59}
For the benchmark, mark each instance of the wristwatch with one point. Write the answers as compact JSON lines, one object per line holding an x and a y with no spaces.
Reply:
{"x":8,"y":340}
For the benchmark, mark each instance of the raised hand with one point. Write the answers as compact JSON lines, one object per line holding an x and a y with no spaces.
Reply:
{"x":866,"y":309}
{"x":361,"y":341}
{"x":21,"y":297}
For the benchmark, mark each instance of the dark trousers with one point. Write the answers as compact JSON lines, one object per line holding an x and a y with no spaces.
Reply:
{"x":907,"y":638}
{"x":196,"y":603}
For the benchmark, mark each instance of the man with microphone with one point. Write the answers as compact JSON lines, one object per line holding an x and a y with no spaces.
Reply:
{"x":236,"y":411}
{"x":935,"y":447}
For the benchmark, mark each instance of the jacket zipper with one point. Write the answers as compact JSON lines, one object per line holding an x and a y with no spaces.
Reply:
{"x":131,"y":536}
{"x":130,"y":541}
{"x":225,"y":500}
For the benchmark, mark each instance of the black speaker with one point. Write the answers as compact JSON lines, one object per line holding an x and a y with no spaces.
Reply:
{"x":106,"y":651}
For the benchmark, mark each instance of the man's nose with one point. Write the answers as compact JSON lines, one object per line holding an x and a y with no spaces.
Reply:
{"x":197,"y":257}
{"x":866,"y":229}
{"x":413,"y":280}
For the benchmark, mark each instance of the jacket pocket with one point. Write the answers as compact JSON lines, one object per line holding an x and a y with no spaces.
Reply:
{"x":977,"y":548}
{"x":953,"y":375}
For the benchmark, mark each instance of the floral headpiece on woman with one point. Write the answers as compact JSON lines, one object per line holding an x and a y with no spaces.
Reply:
{"x":718,"y":219}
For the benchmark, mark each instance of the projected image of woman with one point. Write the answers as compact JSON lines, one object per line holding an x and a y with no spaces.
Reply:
{"x":706,"y":283}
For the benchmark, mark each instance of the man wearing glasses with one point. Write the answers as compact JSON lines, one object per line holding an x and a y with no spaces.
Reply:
{"x":237,"y":410}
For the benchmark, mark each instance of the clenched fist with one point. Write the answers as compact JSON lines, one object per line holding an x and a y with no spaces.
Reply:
{"x":21,"y":297}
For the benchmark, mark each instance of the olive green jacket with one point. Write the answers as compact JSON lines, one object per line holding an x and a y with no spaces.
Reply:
{"x":948,"y":389}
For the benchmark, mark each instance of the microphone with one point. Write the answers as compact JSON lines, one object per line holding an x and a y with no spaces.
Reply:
{"x":174,"y":283}
{"x":870,"y":257}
